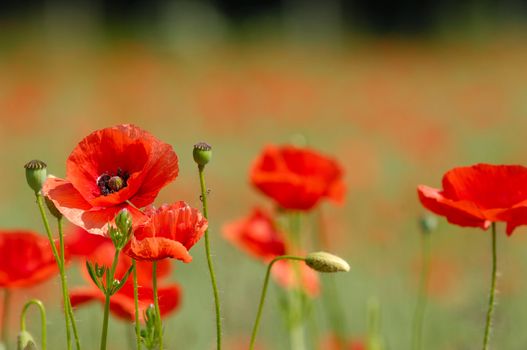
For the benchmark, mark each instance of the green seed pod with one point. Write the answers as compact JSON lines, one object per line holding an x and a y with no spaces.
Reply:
{"x":25,"y":341}
{"x":326,"y":262}
{"x":36,"y":174}
{"x":202,"y":153}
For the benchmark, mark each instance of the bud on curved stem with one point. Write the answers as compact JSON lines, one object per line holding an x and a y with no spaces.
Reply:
{"x":326,"y":262}
{"x":25,"y":340}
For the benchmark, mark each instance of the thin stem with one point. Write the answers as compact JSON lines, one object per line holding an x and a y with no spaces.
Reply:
{"x":58,"y":259}
{"x":5,"y":316}
{"x":296,"y":309}
{"x":209,"y":259}
{"x":67,"y":302}
{"x":264,"y":293}
{"x":159,"y":325}
{"x":39,"y":304}
{"x":136,"y":305}
{"x":108,"y":294}
{"x":331,"y":300}
{"x":419,"y":313}
{"x":492,"y":293}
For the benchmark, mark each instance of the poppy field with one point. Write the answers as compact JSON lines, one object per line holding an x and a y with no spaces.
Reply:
{"x":276,"y":196}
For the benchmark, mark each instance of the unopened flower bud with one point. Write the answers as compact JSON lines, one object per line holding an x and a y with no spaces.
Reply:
{"x":36,"y":174}
{"x":428,"y":223}
{"x":52,"y":208}
{"x":25,"y":341}
{"x":123,"y":221}
{"x":202,"y":153}
{"x":326,"y":262}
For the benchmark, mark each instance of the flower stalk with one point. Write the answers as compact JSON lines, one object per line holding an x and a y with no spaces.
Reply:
{"x":136,"y":306}
{"x":492,"y":293}
{"x":202,"y":155}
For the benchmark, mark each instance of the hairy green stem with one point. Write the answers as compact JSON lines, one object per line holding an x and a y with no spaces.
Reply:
{"x":159,"y":325}
{"x":136,"y":305}
{"x":58,"y":259}
{"x":108,"y":294}
{"x":39,"y":304}
{"x":264,"y":293}
{"x":420,"y":307}
{"x":209,"y":258}
{"x":492,"y":293}
{"x":67,"y":302}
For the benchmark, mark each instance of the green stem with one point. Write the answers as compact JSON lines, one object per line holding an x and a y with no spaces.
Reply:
{"x":58,"y":259}
{"x":264,"y":293}
{"x":5,"y":317}
{"x":136,"y":305}
{"x":296,"y":309}
{"x":492,"y":293}
{"x":108,"y":294}
{"x":67,"y":302}
{"x":209,"y":258}
{"x":159,"y":325}
{"x":419,"y":313}
{"x":39,"y":304}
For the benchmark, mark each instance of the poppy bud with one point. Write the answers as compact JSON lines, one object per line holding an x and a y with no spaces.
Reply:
{"x":202,"y":153}
{"x":428,"y":223}
{"x":52,"y":208}
{"x":36,"y":174}
{"x":326,"y":262}
{"x":25,"y":341}
{"x":123,"y":220}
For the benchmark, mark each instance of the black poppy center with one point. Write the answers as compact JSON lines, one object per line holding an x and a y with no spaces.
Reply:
{"x":109,"y":183}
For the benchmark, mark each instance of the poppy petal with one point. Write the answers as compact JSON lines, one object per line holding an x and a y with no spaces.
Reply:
{"x":462,"y":213}
{"x":156,"y":248}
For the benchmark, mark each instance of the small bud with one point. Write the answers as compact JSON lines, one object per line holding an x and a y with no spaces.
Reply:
{"x":123,"y":221}
{"x":25,"y":341}
{"x":150,"y":315}
{"x":326,"y":262}
{"x":428,"y":223}
{"x":52,"y":208}
{"x":202,"y":153}
{"x":36,"y":174}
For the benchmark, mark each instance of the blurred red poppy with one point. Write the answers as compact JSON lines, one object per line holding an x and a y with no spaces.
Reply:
{"x":479,"y":195}
{"x":108,"y":170}
{"x":297,"y":178}
{"x":332,"y":342}
{"x":81,"y":243}
{"x":122,"y":303}
{"x":258,"y":236}
{"x":26,"y":259}
{"x":169,"y":232}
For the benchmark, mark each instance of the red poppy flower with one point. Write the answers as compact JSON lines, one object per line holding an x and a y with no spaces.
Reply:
{"x":170,"y":232}
{"x":26,"y":259}
{"x":332,"y":342}
{"x":479,"y":195}
{"x":109,"y":169}
{"x":81,"y":243}
{"x":258,"y":236}
{"x":297,"y":178}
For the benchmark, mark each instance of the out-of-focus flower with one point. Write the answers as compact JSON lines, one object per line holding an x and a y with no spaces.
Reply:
{"x":258,"y":236}
{"x":26,"y":260}
{"x":170,"y":232}
{"x":122,"y":303}
{"x":297,"y":178}
{"x":80,"y":243}
{"x":479,"y":195}
{"x":108,"y":170}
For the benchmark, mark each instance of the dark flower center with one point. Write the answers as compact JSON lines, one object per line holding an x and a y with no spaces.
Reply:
{"x":110,"y":183}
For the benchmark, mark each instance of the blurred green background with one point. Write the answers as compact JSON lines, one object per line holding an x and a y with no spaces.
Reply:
{"x":397,"y":100}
